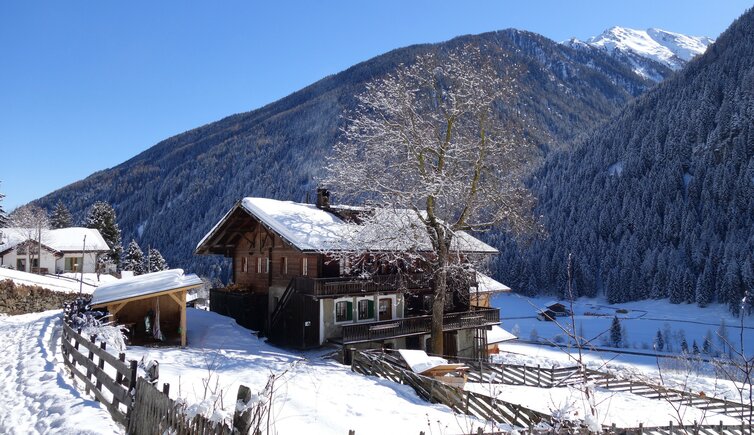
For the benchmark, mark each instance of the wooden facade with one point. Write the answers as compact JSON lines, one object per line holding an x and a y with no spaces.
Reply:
{"x":312,"y":298}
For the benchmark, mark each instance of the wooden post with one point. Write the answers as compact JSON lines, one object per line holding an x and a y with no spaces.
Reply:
{"x":524,"y":375}
{"x":166,"y":389}
{"x":641,"y":428}
{"x":538,"y":372}
{"x":351,"y":432}
{"x":91,"y":358}
{"x":183,"y":318}
{"x":100,"y":366}
{"x":242,"y":420}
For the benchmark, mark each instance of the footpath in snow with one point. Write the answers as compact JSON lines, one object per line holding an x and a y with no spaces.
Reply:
{"x":34,"y":395}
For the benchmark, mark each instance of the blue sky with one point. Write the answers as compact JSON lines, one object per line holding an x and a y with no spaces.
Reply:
{"x":85,"y":86}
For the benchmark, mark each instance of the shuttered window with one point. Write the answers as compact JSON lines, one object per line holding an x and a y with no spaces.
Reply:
{"x":365,"y":307}
{"x":343,"y":311}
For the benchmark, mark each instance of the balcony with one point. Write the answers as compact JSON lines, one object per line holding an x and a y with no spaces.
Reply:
{"x":345,"y":286}
{"x":352,"y":286}
{"x":419,"y":325}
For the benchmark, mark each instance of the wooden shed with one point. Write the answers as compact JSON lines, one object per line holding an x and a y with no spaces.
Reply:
{"x":152,"y":306}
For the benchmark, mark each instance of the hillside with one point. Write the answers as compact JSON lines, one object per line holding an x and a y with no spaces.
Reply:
{"x":660,"y":201}
{"x":171,"y":194}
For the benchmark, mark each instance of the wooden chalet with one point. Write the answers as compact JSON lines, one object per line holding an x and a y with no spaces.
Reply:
{"x":307,"y":297}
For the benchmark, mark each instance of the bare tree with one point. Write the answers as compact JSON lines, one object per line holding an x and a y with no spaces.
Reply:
{"x":428,"y":144}
{"x":31,"y":224}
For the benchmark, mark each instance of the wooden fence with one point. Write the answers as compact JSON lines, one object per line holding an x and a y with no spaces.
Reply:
{"x":133,"y":401}
{"x":549,"y":377}
{"x":87,"y":362}
{"x":390,"y":367}
{"x":478,"y":405}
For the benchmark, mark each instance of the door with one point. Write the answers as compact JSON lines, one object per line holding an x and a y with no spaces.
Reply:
{"x":386,"y":309}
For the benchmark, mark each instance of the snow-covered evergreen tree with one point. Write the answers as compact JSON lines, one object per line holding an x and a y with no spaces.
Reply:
{"x":61,"y":217}
{"x":616,"y":339}
{"x":3,"y":216}
{"x":102,"y":217}
{"x":684,"y":345}
{"x":155,"y":262}
{"x":133,"y":260}
{"x":695,"y":348}
{"x":659,"y":341}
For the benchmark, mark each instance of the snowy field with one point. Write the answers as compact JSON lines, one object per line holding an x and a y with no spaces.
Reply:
{"x":640,"y":321}
{"x":316,"y":393}
{"x":66,"y":283}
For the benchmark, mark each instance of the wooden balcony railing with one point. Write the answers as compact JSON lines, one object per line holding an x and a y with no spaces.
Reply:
{"x":355,"y":285}
{"x":362,"y":332}
{"x":323,"y":287}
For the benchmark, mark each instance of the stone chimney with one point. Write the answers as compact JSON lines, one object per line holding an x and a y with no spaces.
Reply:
{"x":323,"y":198}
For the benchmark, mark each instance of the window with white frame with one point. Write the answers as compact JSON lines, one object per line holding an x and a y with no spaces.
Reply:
{"x":259,"y":264}
{"x":304,"y":266}
{"x":284,"y":265}
{"x":245,"y":264}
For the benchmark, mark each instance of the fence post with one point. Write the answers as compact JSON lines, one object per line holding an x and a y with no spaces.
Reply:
{"x":166,"y":389}
{"x":641,"y":428}
{"x":88,"y":370}
{"x":131,"y":390}
{"x":351,"y":432}
{"x":101,"y":366}
{"x":539,"y":370}
{"x":242,"y":419}
{"x":552,"y":376}
{"x":524,"y":375}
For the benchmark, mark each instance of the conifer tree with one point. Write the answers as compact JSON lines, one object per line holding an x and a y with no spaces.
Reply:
{"x":695,"y":348}
{"x":707,"y":345}
{"x":3,"y":216}
{"x":684,"y":345}
{"x":133,"y":260}
{"x":61,"y":217}
{"x":155,"y":261}
{"x":101,"y":216}
{"x":616,"y":339}
{"x":659,"y":341}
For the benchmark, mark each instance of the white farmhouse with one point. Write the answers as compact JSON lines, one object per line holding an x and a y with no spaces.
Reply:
{"x":62,"y":250}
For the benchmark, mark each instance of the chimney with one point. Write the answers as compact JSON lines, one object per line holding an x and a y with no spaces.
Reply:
{"x":323,"y":198}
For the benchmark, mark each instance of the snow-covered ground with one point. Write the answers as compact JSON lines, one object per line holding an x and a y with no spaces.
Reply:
{"x":35,"y":396}
{"x":640,"y":322}
{"x":316,"y":393}
{"x":67,"y":282}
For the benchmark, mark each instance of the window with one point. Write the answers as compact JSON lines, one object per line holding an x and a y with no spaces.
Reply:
{"x":304,"y":266}
{"x":259,"y":264}
{"x":20,"y":264}
{"x":386,"y":309}
{"x":245,"y":264}
{"x":343,"y":311}
{"x":267,"y":265}
{"x":72,"y":264}
{"x":365,"y":307}
{"x":284,"y":265}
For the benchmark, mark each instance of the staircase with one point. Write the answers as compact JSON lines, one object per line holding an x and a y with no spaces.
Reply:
{"x":277,"y":314}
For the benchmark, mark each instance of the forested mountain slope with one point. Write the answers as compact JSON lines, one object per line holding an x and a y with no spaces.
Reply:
{"x":659,"y":202}
{"x":171,"y":194}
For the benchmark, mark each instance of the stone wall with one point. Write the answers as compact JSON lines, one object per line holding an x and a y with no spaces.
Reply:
{"x":22,"y":299}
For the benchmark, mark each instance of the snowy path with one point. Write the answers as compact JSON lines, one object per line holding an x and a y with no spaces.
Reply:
{"x":34,"y":395}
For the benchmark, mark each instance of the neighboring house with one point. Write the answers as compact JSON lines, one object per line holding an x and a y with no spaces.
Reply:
{"x":62,"y":250}
{"x":279,"y":252}
{"x":552,"y":310}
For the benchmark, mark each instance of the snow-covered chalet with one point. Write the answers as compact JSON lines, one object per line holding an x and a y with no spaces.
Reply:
{"x":62,"y":250}
{"x":300,"y":294}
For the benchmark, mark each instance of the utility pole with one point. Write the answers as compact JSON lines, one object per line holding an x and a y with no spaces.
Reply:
{"x":83,"y":254}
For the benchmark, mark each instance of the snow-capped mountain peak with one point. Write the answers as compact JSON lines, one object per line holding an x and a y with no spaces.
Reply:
{"x":671,"y":49}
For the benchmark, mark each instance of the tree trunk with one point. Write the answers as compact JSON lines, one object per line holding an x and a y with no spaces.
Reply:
{"x":438,"y":304}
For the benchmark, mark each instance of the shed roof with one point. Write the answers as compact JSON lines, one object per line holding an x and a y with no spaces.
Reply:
{"x":309,"y":228}
{"x":485,"y":284}
{"x":143,"y":285}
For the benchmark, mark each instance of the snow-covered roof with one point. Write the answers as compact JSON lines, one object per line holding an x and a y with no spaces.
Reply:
{"x":419,"y":361}
{"x":499,"y":335}
{"x":485,"y":284}
{"x":310,"y":228}
{"x":142,"y":285}
{"x":60,"y":240}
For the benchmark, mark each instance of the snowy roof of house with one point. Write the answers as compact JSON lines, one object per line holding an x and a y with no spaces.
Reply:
{"x":499,"y":335}
{"x":143,"y":285}
{"x":310,"y":228}
{"x":60,"y":240}
{"x":485,"y":284}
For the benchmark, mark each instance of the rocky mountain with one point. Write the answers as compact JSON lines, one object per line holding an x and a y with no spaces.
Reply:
{"x":658,"y":202}
{"x":170,"y":195}
{"x":651,"y":52}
